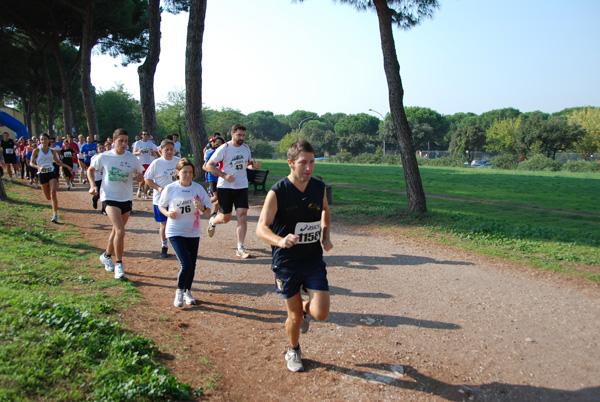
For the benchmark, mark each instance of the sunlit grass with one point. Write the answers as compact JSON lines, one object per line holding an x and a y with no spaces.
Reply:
{"x":519,"y":231}
{"x":58,"y":339}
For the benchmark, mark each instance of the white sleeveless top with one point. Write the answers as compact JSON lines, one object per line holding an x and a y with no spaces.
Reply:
{"x":44,"y":160}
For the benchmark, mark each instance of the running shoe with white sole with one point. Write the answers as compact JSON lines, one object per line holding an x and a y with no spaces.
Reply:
{"x":189,"y":299}
{"x":108,"y":264}
{"x":241,"y":252}
{"x":211,"y":229}
{"x":305,"y":324}
{"x":119,"y":273}
{"x":178,"y":302}
{"x":164,"y":252}
{"x":54,"y":219}
{"x":139,"y":193}
{"x":294,"y":360}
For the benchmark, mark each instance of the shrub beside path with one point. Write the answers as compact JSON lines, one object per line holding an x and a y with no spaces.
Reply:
{"x":410,"y":319}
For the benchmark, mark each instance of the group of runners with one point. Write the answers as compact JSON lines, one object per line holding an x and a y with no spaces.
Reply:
{"x":295,"y":218}
{"x":41,"y":160}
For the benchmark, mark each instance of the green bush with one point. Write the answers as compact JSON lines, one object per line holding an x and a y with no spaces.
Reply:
{"x":540,"y":162}
{"x":505,"y":162}
{"x":391,"y":160}
{"x":446,"y":161}
{"x":367,"y":159}
{"x":422,"y":161}
{"x":582,"y":166}
{"x":342,"y":157}
{"x":261,"y":149}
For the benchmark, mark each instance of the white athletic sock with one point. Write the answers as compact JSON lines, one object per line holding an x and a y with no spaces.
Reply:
{"x":164,"y":244}
{"x":240,"y":245}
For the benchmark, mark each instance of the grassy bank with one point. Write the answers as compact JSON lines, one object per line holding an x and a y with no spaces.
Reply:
{"x":520,"y":231}
{"x":60,"y":339}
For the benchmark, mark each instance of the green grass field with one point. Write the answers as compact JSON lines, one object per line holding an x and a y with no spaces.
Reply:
{"x":520,"y":231}
{"x":59,"y":339}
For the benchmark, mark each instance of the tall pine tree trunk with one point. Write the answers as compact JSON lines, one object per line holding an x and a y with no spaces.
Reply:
{"x":36,"y":130}
{"x":75,"y":72}
{"x":50,"y":98}
{"x":412,"y":176}
{"x":147,"y":70}
{"x":27,"y":111}
{"x":87,"y":43}
{"x":67,"y":100}
{"x":193,"y":81}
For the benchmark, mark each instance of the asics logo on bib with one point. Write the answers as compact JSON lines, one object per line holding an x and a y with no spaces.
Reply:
{"x":310,"y":228}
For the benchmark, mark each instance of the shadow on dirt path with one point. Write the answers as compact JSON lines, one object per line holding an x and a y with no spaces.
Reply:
{"x":410,"y":320}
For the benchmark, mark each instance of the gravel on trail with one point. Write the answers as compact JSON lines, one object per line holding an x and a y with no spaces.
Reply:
{"x":411,"y":319}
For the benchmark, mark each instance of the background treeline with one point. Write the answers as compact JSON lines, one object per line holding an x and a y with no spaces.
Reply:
{"x":507,"y":134}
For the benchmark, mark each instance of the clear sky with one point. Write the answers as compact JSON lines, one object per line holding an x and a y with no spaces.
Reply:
{"x":321,"y":56}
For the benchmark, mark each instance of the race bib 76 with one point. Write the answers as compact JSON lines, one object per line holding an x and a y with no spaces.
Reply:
{"x":185,"y":206}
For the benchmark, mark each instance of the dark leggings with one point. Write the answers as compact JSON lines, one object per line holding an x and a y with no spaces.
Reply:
{"x":98,"y":185}
{"x":32,"y":172}
{"x":186,"y":249}
{"x":23,"y":166}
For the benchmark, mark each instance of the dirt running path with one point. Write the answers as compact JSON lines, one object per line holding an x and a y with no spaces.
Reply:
{"x":411,"y":320}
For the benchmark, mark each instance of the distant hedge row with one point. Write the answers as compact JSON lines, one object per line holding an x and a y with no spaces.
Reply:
{"x":507,"y":162}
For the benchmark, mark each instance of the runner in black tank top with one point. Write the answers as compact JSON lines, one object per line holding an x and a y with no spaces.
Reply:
{"x":295,"y":221}
{"x":298,"y":213}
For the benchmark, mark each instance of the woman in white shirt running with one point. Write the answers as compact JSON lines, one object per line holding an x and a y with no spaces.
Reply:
{"x":43,"y":159}
{"x":182,"y":202}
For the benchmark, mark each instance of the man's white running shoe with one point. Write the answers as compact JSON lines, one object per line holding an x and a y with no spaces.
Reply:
{"x":108,"y":264}
{"x":189,"y":299}
{"x":178,"y":302}
{"x":54,"y":219}
{"x":241,"y":252}
{"x":119,"y":273}
{"x":139,"y":193}
{"x":294,"y":360}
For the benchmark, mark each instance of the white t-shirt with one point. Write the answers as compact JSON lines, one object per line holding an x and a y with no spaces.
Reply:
{"x":177,"y":148}
{"x":181,"y":199}
{"x":97,"y":173}
{"x":235,"y":162}
{"x":117,"y":175}
{"x":145,"y":147}
{"x":162,"y":172}
{"x":80,"y":145}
